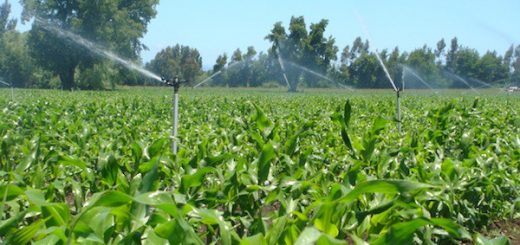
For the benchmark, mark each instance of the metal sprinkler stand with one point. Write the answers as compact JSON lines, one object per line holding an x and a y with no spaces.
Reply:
{"x":176,"y":84}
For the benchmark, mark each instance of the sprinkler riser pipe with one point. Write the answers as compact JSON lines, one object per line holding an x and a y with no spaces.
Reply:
{"x":175,"y":83}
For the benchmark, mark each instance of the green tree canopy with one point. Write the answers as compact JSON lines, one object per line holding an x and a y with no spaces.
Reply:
{"x":178,"y":60}
{"x":302,"y":47}
{"x":6,"y":24}
{"x":116,"y":25}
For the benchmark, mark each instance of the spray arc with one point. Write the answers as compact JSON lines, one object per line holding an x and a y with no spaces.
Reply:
{"x":395,"y":88}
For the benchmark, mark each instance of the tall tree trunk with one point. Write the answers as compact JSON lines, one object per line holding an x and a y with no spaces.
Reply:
{"x":67,"y":77}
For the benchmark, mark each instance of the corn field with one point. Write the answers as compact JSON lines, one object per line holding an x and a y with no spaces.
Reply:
{"x":257,"y":167}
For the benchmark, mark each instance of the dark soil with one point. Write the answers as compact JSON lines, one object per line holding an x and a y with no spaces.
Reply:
{"x":510,"y":229}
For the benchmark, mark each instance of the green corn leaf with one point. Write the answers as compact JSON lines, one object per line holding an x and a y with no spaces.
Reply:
{"x":326,"y":227}
{"x":261,"y":120}
{"x":328,"y":240}
{"x":36,"y":197}
{"x":308,"y":236}
{"x":154,"y":198}
{"x":10,"y":192}
{"x":346,"y":139}
{"x":150,"y":178}
{"x":403,"y":233}
{"x":178,"y":231}
{"x":211,"y":217}
{"x":196,"y":179}
{"x":25,"y":234}
{"x":68,"y":161}
{"x":11,"y":223}
{"x":56,"y":214}
{"x":157,"y":147}
{"x":383,"y":186}
{"x":109,"y":199}
{"x":347,"y":113}
{"x":257,"y":239}
{"x":264,"y":162}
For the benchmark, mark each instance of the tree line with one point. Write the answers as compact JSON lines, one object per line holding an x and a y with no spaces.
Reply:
{"x":300,"y":55}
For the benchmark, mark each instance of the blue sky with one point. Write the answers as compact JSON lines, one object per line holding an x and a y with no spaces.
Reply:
{"x":215,"y":27}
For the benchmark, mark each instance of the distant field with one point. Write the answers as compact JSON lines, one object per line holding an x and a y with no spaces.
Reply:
{"x":258,"y":166}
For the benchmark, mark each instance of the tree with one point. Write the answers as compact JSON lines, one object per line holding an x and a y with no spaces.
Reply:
{"x":6,"y":24}
{"x":365,"y":72}
{"x":319,"y":51}
{"x":302,"y":48}
{"x":358,"y":48}
{"x":237,"y":56}
{"x":394,"y":64}
{"x":277,"y":37}
{"x":117,"y":25}
{"x":343,"y":73}
{"x":439,"y":52}
{"x":178,"y":60}
{"x":345,"y":56}
{"x":219,"y":67}
{"x":422,"y":61}
{"x":221,"y":63}
{"x":464,"y":65}
{"x":16,"y":65}
{"x":491,"y":69}
{"x":508,"y":59}
{"x":452,"y":53}
{"x":248,"y":72}
{"x":235,"y":75}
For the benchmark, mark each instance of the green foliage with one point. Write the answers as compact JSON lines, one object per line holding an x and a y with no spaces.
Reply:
{"x":16,"y":65}
{"x":6,"y":24}
{"x":266,"y":168}
{"x":117,"y":25}
{"x":302,"y":47}
{"x":181,"y":61}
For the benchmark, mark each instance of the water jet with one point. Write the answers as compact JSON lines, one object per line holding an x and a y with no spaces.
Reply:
{"x":305,"y":69}
{"x":216,"y":74}
{"x":396,"y":90}
{"x":407,"y":69}
{"x":94,"y":48}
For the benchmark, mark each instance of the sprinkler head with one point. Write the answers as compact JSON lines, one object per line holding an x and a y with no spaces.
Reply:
{"x":174,"y":82}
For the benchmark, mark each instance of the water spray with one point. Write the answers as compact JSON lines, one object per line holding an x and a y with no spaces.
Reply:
{"x":413,"y":73}
{"x":12,"y":88}
{"x":305,"y":69}
{"x":176,"y":84}
{"x":284,"y":73}
{"x":93,"y":47}
{"x":457,"y":77}
{"x":397,"y":90}
{"x":96,"y":49}
{"x":216,"y":74}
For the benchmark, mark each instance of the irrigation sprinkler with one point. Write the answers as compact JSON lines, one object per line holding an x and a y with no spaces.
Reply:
{"x":12,"y":88}
{"x":176,"y":84}
{"x":395,"y":88}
